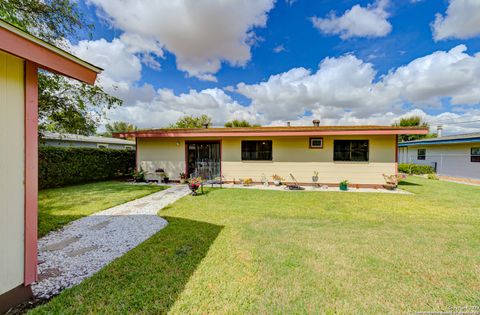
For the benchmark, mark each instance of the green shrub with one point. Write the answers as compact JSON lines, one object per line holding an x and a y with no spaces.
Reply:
{"x":61,"y":166}
{"x":415,"y":169}
{"x":432,"y":176}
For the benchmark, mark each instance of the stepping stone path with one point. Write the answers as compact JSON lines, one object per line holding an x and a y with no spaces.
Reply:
{"x":84,"y":246}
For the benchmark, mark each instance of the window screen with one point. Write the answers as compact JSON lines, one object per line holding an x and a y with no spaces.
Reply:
{"x":316,"y":143}
{"x":475,"y":155}
{"x":257,"y":150}
{"x":350,"y":150}
{"x":421,"y":154}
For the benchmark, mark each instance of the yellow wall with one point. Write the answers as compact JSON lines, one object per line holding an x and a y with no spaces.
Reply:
{"x":161,"y":153}
{"x":11,"y":170}
{"x":290,"y":155}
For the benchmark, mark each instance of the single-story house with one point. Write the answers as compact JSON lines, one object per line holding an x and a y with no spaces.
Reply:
{"x":453,"y":156}
{"x":21,"y":55}
{"x":74,"y":140}
{"x":359,"y":154}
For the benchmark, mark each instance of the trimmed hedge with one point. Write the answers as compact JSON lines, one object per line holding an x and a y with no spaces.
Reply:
{"x":415,"y":169}
{"x":61,"y":166}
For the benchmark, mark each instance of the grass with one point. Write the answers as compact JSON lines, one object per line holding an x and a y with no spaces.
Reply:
{"x":59,"y":206}
{"x":246,"y":251}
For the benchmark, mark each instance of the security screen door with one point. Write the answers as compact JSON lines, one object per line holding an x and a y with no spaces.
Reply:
{"x":203,"y":159}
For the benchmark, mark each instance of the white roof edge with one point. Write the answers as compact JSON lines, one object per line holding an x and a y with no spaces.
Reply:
{"x":81,"y":138}
{"x":48,"y":46}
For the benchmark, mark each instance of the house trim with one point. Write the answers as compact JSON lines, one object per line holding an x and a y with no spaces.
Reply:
{"x":14,"y":297}
{"x":31,"y":172}
{"x":434,"y":142}
{"x":265,"y":133}
{"x":23,"y":45}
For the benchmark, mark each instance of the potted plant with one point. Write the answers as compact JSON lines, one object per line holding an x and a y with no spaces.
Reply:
{"x":277,"y":179}
{"x":247,"y":182}
{"x":166,"y":179}
{"x":344,"y":185}
{"x":183,"y":178}
{"x":264,"y":180}
{"x":138,"y":176}
{"x":315,"y":177}
{"x":194,"y":184}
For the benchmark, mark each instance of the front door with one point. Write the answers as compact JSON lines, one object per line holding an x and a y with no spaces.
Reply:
{"x":203,"y":159}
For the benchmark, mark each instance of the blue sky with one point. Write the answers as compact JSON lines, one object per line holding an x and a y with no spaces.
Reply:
{"x":345,"y":62}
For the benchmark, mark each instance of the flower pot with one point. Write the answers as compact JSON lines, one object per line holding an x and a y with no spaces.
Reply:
{"x":183,"y":180}
{"x":343,"y":186}
{"x":194,"y":189}
{"x":276,"y":182}
{"x":314,"y":179}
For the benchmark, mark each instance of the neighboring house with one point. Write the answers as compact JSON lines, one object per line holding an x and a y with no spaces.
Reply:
{"x":359,"y":154}
{"x":21,"y":56}
{"x":454,"y":156}
{"x":73,"y":140}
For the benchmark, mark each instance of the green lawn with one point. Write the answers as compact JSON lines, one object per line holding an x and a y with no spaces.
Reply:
{"x":59,"y":206}
{"x":246,"y":251}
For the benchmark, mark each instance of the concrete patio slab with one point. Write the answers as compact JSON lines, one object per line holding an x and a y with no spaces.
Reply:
{"x":316,"y":189}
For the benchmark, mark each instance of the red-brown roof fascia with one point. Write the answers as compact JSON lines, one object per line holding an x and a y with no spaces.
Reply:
{"x":23,"y":45}
{"x":272,"y":132}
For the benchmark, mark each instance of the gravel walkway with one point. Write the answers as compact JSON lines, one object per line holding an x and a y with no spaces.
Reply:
{"x":83,"y":247}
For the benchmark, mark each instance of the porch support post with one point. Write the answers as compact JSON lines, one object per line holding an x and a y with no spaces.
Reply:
{"x":31,"y":172}
{"x":396,"y":155}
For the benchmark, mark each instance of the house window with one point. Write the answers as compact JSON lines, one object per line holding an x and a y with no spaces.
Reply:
{"x":421,"y":154}
{"x":128,"y":147}
{"x":316,"y":143}
{"x":350,"y":150}
{"x":475,"y":155}
{"x":102,"y":145}
{"x":257,"y":150}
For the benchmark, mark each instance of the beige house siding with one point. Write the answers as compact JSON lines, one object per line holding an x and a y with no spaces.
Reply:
{"x":161,"y":153}
{"x":451,"y":159}
{"x":290,"y":155}
{"x":11,"y":170}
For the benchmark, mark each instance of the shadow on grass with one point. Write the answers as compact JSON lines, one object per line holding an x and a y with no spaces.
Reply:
{"x":148,"y":279}
{"x":405,"y":183}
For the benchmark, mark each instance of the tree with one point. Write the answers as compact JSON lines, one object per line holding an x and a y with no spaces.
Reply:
{"x":239,"y":123}
{"x":413,"y":121}
{"x":118,"y":126}
{"x":64,"y":105}
{"x":189,"y":121}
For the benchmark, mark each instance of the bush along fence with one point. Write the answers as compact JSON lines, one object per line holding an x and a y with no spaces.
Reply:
{"x":415,"y":169}
{"x":61,"y":166}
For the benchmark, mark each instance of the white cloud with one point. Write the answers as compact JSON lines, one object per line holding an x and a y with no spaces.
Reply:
{"x":344,"y":90}
{"x":279,"y":49}
{"x":201,"y":33}
{"x":119,"y":63}
{"x":462,"y":20}
{"x":370,"y":21}
{"x":167,"y":107}
{"x":425,"y":81}
{"x":122,"y":60}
